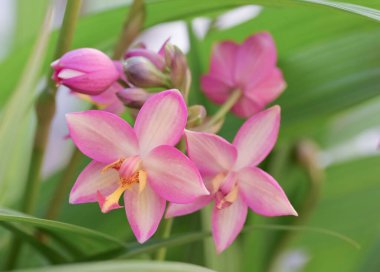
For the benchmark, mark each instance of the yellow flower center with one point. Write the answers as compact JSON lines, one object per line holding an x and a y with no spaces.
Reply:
{"x":131,"y":174}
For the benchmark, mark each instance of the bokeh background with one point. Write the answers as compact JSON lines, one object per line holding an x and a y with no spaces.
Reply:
{"x":327,"y":158}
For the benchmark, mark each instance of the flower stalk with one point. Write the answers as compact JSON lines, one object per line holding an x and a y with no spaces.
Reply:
{"x":45,"y":110}
{"x":166,"y":230}
{"x":223,"y":110}
{"x":132,"y":27}
{"x":67,"y":179}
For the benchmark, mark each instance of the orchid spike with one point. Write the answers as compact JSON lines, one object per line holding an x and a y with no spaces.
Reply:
{"x":249,"y":68}
{"x":232,"y":177}
{"x":141,"y":162}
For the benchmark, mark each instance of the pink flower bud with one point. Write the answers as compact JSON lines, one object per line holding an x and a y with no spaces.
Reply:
{"x":153,"y":57}
{"x":141,"y":72}
{"x":86,"y":70}
{"x":133,"y":97}
{"x":179,"y":70}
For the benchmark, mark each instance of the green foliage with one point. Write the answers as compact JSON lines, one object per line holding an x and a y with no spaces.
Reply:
{"x":329,"y":54}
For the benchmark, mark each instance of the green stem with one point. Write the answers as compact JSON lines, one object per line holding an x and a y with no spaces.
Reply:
{"x":166,"y":230}
{"x":66,"y":33}
{"x":131,"y":29}
{"x":224,"y":109}
{"x":45,"y":110}
{"x":64,"y":183}
{"x":208,"y":244}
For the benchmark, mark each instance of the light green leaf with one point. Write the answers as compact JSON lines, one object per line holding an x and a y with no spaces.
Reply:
{"x":116,"y":266}
{"x":7,"y":215}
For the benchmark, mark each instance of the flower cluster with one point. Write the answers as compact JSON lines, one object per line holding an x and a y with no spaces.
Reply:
{"x":145,"y":165}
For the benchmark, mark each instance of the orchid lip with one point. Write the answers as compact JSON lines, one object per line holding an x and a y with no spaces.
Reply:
{"x":130,"y":174}
{"x":225,"y":200}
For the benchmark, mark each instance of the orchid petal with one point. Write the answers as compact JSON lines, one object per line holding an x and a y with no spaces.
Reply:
{"x":227,"y":223}
{"x":215,"y":89}
{"x":109,"y":101}
{"x":255,"y":59}
{"x":161,"y":120}
{"x":183,"y":209}
{"x":222,"y":64}
{"x":263,"y":194}
{"x":144,"y":211}
{"x":69,"y":73}
{"x":246,"y":107}
{"x":211,"y":154}
{"x":91,"y":181}
{"x":173,"y":176}
{"x":268,"y":89}
{"x":256,"y":138}
{"x":101,"y":135}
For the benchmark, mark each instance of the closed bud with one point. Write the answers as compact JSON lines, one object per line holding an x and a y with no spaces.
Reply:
{"x":141,"y":72}
{"x":196,"y":116}
{"x":180,"y":75}
{"x":133,"y":97}
{"x":153,"y":57}
{"x":86,"y":70}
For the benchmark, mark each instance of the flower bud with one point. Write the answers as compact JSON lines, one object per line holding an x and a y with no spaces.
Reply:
{"x":141,"y":72}
{"x":86,"y":70}
{"x":153,"y":57}
{"x":133,"y":97}
{"x":196,"y":116}
{"x":180,"y":75}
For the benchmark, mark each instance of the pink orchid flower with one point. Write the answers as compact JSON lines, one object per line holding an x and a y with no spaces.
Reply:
{"x":231,"y":175}
{"x":141,"y":162}
{"x":249,"y":68}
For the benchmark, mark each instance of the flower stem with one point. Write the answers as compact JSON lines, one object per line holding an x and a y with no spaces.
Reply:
{"x":132,"y":27}
{"x":166,"y":230}
{"x":64,"y":183}
{"x":210,"y":259}
{"x":224,"y":109}
{"x":45,"y":110}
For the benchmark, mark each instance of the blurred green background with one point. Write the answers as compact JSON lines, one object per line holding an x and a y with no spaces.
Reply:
{"x":330,"y":111}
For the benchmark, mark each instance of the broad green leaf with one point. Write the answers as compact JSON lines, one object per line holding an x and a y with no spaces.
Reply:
{"x":116,"y":266}
{"x":50,"y":253}
{"x":16,"y":113}
{"x":349,"y":205}
{"x":7,"y":215}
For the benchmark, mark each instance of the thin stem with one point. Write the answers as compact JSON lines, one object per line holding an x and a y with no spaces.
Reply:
{"x":132,"y":27}
{"x":224,"y":109}
{"x":60,"y":192}
{"x":208,"y":244}
{"x":166,"y":230}
{"x":45,"y":110}
{"x":66,"y":33}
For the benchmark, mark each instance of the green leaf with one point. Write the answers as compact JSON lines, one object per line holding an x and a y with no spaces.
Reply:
{"x":349,"y":204}
{"x":7,"y":215}
{"x":50,"y":253}
{"x":116,"y":266}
